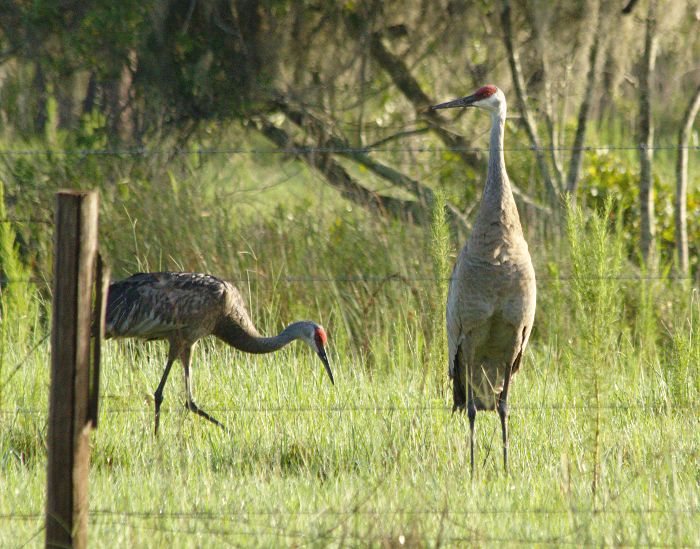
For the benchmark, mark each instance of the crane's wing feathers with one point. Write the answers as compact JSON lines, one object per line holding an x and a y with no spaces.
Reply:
{"x":154,"y":305}
{"x":454,"y":328}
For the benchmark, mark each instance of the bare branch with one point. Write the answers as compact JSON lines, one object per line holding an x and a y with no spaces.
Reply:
{"x":339,"y":178}
{"x":629,"y":7}
{"x":408,"y":85}
{"x":521,"y":95}
{"x":423,"y":193}
{"x":543,"y":47}
{"x":646,"y":140}
{"x":681,"y":199}
{"x":585,"y":107}
{"x":396,"y":136}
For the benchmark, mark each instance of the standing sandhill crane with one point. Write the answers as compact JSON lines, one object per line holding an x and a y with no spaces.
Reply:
{"x":491,"y":299}
{"x":183,"y":308}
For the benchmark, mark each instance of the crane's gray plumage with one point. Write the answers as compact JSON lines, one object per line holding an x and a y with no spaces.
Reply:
{"x":491,"y":299}
{"x":184,"y":307}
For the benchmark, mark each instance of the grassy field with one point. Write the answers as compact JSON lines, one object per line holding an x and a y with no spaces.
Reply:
{"x":377,"y":459}
{"x":604,"y":421}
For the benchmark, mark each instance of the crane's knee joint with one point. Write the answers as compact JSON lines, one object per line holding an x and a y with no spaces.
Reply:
{"x":502,"y":408}
{"x":471,"y":412}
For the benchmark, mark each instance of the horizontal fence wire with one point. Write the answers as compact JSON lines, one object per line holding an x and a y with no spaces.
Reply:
{"x":379,"y":409}
{"x":390,"y":538}
{"x":145,"y":151}
{"x":24,"y":360}
{"x":231,"y":515}
{"x":398,"y":278}
{"x":26,"y":220}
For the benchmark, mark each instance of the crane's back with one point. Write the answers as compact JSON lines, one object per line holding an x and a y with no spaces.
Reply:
{"x":158,"y":305}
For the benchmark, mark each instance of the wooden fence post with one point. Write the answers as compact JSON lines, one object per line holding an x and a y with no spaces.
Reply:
{"x":75,"y":259}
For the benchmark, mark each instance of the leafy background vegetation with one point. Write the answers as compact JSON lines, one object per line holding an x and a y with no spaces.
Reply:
{"x":167,"y":109}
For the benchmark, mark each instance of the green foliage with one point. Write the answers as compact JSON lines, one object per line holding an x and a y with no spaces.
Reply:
{"x":609,"y":175}
{"x":441,"y":252}
{"x":682,"y":355}
{"x":312,"y":454}
{"x":596,"y":268}
{"x":18,"y":299}
{"x":11,"y":266}
{"x":373,"y":459}
{"x":596,"y":294}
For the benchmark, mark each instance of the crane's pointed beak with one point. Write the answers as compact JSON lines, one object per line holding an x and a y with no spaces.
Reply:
{"x":322,"y":355}
{"x":461,"y":102}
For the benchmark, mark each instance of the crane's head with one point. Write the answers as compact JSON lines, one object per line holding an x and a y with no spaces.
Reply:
{"x":315,"y":337}
{"x":489,"y":98}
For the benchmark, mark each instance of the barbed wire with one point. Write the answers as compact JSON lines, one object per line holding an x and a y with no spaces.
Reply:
{"x":145,"y":151}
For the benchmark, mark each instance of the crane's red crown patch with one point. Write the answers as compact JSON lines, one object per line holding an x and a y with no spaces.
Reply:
{"x":486,"y":91}
{"x":321,"y":336}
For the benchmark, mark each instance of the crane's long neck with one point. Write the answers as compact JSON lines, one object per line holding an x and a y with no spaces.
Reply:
{"x":497,"y":183}
{"x":244,"y":336}
{"x":497,"y":200}
{"x":497,"y":223}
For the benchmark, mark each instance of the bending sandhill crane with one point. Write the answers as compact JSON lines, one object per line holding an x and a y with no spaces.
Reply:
{"x":184,"y":307}
{"x":491,"y":299}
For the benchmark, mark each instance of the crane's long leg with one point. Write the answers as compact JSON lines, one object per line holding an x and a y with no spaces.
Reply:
{"x":503,"y":403}
{"x":191,"y":406}
{"x":458,"y":382}
{"x":503,"y":414}
{"x":471,"y":411}
{"x":158,"y":395}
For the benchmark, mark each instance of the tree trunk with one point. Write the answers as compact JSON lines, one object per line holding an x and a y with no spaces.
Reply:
{"x":585,"y":107}
{"x":538,"y":23}
{"x":39,"y":117}
{"x":680,"y":204}
{"x":646,"y":141}
{"x":521,"y":95}
{"x":338,"y":177}
{"x":402,"y":78}
{"x":90,"y":99}
{"x":314,"y":126}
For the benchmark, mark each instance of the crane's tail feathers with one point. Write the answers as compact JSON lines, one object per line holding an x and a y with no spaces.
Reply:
{"x":459,"y":387}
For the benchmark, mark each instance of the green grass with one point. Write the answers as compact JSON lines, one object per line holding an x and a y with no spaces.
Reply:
{"x":374,"y":458}
{"x":378,"y":458}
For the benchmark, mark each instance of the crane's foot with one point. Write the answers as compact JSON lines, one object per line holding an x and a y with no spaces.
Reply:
{"x":192,"y":407}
